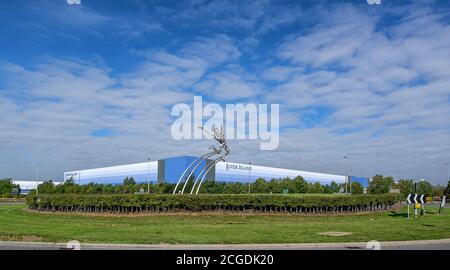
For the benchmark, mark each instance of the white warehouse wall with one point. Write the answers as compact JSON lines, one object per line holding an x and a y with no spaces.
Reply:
{"x":141,"y":172}
{"x":228,"y":171}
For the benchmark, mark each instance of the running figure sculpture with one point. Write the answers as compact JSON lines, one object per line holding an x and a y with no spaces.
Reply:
{"x":223,"y":150}
{"x":219,"y":137}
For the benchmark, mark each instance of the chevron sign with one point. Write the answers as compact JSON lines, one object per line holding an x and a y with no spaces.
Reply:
{"x":415,"y":198}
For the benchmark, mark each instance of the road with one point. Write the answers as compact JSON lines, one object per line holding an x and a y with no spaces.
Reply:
{"x":12,"y":203}
{"x":398,"y":245}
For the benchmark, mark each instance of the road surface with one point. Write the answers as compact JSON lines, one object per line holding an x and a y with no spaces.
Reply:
{"x":397,"y":245}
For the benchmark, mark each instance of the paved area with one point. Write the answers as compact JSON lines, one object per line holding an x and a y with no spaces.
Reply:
{"x":400,"y":245}
{"x":12,"y":203}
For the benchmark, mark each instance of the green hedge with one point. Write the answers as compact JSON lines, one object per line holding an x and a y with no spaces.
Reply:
{"x":205,"y":202}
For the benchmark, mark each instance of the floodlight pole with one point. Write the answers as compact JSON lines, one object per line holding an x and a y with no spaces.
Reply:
{"x":350,"y":182}
{"x":448,"y":171}
{"x":249,"y":177}
{"x":37,"y":178}
{"x":346,"y":175}
{"x":148,"y":182}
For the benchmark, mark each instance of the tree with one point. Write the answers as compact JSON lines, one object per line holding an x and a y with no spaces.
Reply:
{"x":6,"y":187}
{"x":69,"y":187}
{"x":447,"y":189}
{"x":274,"y":186}
{"x":380,"y":184}
{"x":287,"y":183}
{"x":315,"y":188}
{"x":128,"y":185}
{"x":208,"y":186}
{"x":334,"y":187}
{"x":129,"y":181}
{"x":424,"y":187}
{"x":406,"y":186}
{"x":260,"y":186}
{"x":47,"y":187}
{"x":438,"y":190}
{"x":357,"y":188}
{"x":300,"y":185}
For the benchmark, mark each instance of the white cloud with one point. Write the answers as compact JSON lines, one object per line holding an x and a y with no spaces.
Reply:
{"x":337,"y":38}
{"x":216,"y":50}
{"x":392,"y":82}
{"x":49,"y":110}
{"x":386,"y":88}
{"x":228,"y":85}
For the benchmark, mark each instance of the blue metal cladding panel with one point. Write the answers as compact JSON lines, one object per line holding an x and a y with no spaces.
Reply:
{"x":177,"y":165}
{"x":362,"y":180}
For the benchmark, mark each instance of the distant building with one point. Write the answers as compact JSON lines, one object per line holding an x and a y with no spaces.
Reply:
{"x":27,"y":186}
{"x":361,"y":180}
{"x":394,"y":190}
{"x":170,"y":169}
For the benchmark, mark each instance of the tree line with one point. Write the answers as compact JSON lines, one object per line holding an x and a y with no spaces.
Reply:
{"x":379,"y":185}
{"x":260,"y":186}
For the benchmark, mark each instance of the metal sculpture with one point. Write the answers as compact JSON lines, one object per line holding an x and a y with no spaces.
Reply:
{"x":206,"y":173}
{"x":223,"y":150}
{"x":200,"y":175}
{"x":199,"y":160}
{"x":214,"y":152}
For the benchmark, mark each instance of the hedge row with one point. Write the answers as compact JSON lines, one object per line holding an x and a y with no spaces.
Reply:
{"x":205,"y":202}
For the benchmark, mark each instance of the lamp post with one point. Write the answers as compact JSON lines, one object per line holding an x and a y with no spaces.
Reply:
{"x":346,"y":176}
{"x":148,"y":182}
{"x":249,"y":176}
{"x":37,"y":178}
{"x":350,"y":182}
{"x":448,"y":171}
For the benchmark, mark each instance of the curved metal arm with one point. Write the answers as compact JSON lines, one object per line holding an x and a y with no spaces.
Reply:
{"x":193,"y":170}
{"x":222,"y":156}
{"x":206,"y":173}
{"x":222,"y":151}
{"x":199,"y":175}
{"x":190,"y":165}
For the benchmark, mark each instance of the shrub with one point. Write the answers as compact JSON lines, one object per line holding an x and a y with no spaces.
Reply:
{"x":6,"y":188}
{"x":357,"y":188}
{"x":126,"y":203}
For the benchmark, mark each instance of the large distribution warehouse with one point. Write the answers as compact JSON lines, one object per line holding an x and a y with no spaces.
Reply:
{"x":170,"y":170}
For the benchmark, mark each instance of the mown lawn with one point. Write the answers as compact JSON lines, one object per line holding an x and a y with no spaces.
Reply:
{"x":18,"y":224}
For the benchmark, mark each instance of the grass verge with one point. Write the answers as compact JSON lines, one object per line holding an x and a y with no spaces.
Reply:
{"x":18,"y":224}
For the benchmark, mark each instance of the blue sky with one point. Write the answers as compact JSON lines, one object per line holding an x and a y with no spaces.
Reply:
{"x":91,"y":85}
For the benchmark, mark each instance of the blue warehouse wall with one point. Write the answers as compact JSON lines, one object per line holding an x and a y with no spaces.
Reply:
{"x":174,"y":168}
{"x":362,"y":180}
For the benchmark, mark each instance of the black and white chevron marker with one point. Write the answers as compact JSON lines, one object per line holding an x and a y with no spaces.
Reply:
{"x":421,"y":198}
{"x":409,"y":199}
{"x":415,"y":198}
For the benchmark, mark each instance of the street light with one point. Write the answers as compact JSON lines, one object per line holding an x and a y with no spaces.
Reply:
{"x":346,"y":175}
{"x":148,"y":182}
{"x":249,"y":177}
{"x":350,"y":182}
{"x":448,"y":171}
{"x":37,"y":178}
